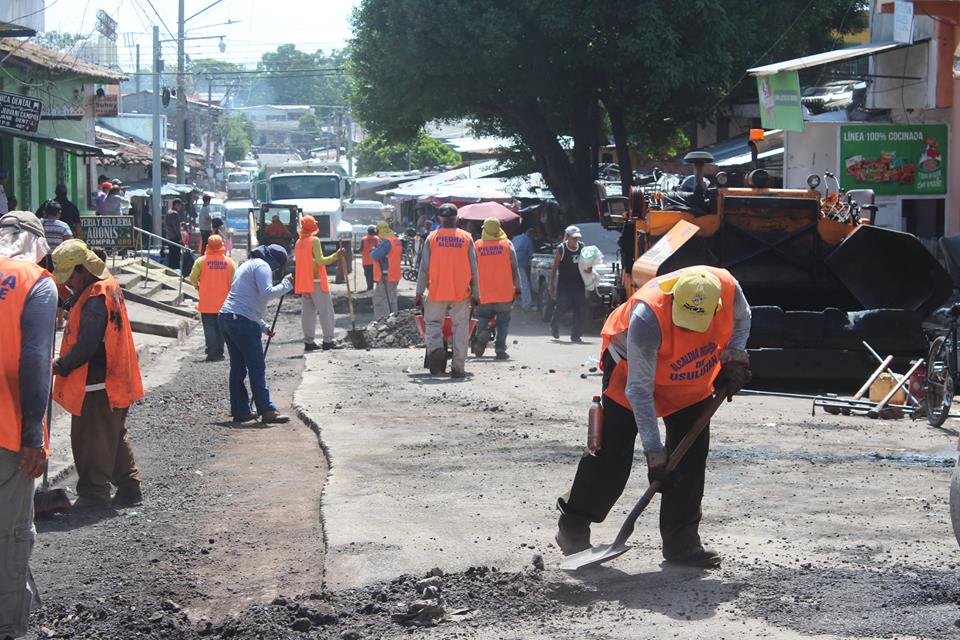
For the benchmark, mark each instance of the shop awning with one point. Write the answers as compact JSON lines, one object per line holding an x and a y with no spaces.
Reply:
{"x":75,"y":147}
{"x":829,"y":57}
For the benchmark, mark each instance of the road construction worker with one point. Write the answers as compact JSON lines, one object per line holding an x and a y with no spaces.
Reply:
{"x":311,"y":283}
{"x":448,"y":270}
{"x":388,"y":253}
{"x":566,"y":285}
{"x":98,"y":378}
{"x":212,"y":275}
{"x":662,"y":353}
{"x":241,"y":320}
{"x":368,"y":243}
{"x":499,"y":286}
{"x":28,"y":308}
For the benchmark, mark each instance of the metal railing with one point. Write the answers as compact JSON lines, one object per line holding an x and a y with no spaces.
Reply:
{"x":162,"y":241}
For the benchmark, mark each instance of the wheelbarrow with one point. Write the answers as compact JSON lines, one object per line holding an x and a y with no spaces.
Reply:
{"x":446,"y":330}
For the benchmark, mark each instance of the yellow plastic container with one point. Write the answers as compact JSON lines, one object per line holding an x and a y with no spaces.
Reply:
{"x":882,"y":386}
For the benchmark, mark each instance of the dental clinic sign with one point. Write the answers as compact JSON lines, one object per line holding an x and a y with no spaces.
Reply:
{"x":894,"y":159}
{"x":19,"y":112}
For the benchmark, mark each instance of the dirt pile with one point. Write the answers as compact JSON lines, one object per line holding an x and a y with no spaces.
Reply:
{"x":396,"y":331}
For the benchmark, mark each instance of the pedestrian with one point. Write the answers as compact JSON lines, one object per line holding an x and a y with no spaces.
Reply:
{"x":241,"y":320}
{"x":313,"y":286}
{"x":28,"y":306}
{"x":524,"y":245}
{"x":566,"y":284}
{"x":205,"y":223}
{"x":499,"y":286}
{"x":171,"y":225}
{"x":369,"y":241}
{"x":55,"y":229}
{"x":70,"y":214}
{"x":700,"y":312}
{"x":115,"y":204}
{"x":386,"y":257}
{"x":105,"y":187}
{"x":448,"y":272}
{"x":98,"y":378}
{"x":4,"y":202}
{"x":212,"y":275}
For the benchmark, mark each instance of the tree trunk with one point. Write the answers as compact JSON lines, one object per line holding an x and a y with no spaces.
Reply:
{"x":619,"y":127}
{"x":585,"y":110}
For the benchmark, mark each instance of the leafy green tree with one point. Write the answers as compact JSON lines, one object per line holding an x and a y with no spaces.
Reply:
{"x":376,"y":154}
{"x":57,"y":40}
{"x":210,"y":74}
{"x":237,"y":132}
{"x":541,"y":70}
{"x":309,"y":122}
{"x":292,"y":76}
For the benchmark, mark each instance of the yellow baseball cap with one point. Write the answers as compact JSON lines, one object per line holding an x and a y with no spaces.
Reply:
{"x":72,"y":253}
{"x":696,"y":298}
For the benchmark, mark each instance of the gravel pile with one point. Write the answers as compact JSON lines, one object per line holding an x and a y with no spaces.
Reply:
{"x":396,"y":331}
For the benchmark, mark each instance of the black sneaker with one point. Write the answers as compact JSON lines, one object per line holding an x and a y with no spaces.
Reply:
{"x":247,"y":417}
{"x":310,"y":346}
{"x":437,"y":361}
{"x":573,"y":534}
{"x":503,"y":355}
{"x":555,"y":332}
{"x":330,"y":346}
{"x":577,"y":340}
{"x":457,"y":373}
{"x":219,"y":358}
{"x":696,"y":557}
{"x":125,"y":499}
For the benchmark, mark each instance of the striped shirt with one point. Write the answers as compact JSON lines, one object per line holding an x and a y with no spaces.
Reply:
{"x":56,"y":231}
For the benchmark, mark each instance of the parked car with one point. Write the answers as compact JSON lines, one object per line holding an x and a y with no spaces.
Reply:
{"x":607,"y":294}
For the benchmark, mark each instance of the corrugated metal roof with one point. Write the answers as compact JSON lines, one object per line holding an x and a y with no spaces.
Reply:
{"x":828,"y":57}
{"x":31,"y":54}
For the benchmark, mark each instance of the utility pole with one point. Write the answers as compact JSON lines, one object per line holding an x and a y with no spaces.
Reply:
{"x":157,"y":141}
{"x":138,"y":71}
{"x":209,"y":135}
{"x":181,"y":103}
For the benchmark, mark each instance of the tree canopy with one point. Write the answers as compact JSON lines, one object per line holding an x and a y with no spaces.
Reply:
{"x":291,"y":76}
{"x":542,"y":69}
{"x":376,"y":154}
{"x":238,"y":133}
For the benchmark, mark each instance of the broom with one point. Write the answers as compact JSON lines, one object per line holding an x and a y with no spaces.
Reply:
{"x":47,"y":501}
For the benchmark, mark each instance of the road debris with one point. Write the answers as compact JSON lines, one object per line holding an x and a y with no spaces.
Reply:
{"x":395,"y":331}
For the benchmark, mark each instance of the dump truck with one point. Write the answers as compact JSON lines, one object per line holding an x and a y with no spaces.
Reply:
{"x":820,"y":276}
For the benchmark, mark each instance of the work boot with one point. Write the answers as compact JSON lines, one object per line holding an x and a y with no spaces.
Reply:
{"x":503,"y":355}
{"x":310,"y":346}
{"x":696,"y":557}
{"x":329,"y":346}
{"x":86,"y":502}
{"x":272,"y":417}
{"x":246,"y":417}
{"x":123,"y":499}
{"x":480,"y":342}
{"x":576,"y":339}
{"x":437,"y":361}
{"x":458,"y":373}
{"x":214,"y":358}
{"x":573,"y":534}
{"x":555,"y":331}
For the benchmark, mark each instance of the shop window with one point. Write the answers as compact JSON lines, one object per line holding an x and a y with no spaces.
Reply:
{"x":923,"y":218}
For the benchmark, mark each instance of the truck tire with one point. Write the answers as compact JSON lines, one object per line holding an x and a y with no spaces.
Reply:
{"x":955,"y":502}
{"x":890,"y":330}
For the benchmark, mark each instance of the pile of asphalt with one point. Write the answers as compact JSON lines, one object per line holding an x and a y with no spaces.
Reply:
{"x":395,"y":331}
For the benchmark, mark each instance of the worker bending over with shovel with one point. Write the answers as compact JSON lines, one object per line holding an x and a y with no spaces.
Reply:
{"x":662,"y":351}
{"x":98,"y":378}
{"x":388,"y":253}
{"x":311,"y":282}
{"x":499,"y":286}
{"x":448,"y":271}
{"x":28,"y":310}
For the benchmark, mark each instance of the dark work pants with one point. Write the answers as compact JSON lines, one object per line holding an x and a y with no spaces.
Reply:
{"x":204,"y":236}
{"x":173,"y":256}
{"x":368,"y":274}
{"x":575,"y":301}
{"x":600,"y":479}
{"x":212,"y":335}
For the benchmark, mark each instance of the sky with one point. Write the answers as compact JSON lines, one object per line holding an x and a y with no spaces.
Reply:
{"x":261,"y":25}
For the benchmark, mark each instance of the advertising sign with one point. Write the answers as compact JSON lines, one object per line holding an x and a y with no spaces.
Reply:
{"x":780,"y":106}
{"x":109,"y":232}
{"x":106,"y":106}
{"x":19,"y":112}
{"x":894,"y":159}
{"x":903,"y":21}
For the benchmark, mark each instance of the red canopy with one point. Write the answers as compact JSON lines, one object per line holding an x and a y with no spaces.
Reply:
{"x":483,"y":210}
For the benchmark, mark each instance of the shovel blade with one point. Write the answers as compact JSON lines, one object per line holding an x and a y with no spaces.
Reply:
{"x":593,"y":556}
{"x":358,"y":338}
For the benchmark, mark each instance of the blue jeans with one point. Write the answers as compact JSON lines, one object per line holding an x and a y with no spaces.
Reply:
{"x":246,"y":358}
{"x":212,"y":335}
{"x":526,"y":293}
{"x":486,"y":311}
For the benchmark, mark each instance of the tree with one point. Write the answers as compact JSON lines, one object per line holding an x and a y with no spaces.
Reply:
{"x":543,"y":69}
{"x":214,"y":76}
{"x":291,"y":76}
{"x":238,"y":132}
{"x":57,"y":40}
{"x":309,"y":122}
{"x":376,"y":154}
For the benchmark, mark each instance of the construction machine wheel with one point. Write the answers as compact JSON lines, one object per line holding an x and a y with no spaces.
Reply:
{"x":938,"y":389}
{"x":955,"y":502}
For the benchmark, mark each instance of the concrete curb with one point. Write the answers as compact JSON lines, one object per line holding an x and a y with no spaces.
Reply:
{"x":314,"y":426}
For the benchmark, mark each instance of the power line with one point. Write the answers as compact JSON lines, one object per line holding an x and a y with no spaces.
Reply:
{"x":160,"y":18}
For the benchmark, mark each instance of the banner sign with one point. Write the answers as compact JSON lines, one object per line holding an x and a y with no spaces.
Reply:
{"x":109,"y":232}
{"x":19,"y":112}
{"x":106,"y":106}
{"x":894,"y":159}
{"x":903,"y":21}
{"x":780,"y":106}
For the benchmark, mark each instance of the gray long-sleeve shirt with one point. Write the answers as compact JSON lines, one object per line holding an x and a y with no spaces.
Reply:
{"x":640,"y":346}
{"x":36,"y":351}
{"x":89,"y":348}
{"x":423,"y":277}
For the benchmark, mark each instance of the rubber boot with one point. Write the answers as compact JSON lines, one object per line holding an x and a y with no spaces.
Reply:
{"x":573,"y":534}
{"x":437,"y":361}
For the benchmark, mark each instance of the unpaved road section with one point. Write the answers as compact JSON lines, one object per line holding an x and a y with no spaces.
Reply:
{"x":829,"y":526}
{"x":231,"y":512}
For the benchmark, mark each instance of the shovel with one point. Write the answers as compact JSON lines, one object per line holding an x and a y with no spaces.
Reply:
{"x":357,"y":337}
{"x":273,"y":327}
{"x":47,"y":501}
{"x":605,"y":552}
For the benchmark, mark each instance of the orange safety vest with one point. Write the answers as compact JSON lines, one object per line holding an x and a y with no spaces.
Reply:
{"x":123,"y":383}
{"x":495,"y":271}
{"x":216,"y":276}
{"x":449,"y":275}
{"x":393,"y":262}
{"x":369,"y":242}
{"x":16,"y":279}
{"x":306,"y":271}
{"x":687,"y":361}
